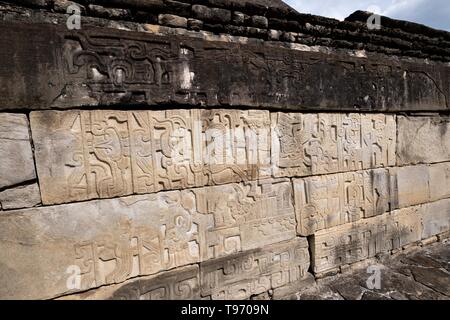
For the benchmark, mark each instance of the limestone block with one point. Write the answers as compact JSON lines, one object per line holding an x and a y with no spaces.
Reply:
{"x":311,"y":144}
{"x":436,"y":218}
{"x":423,"y":140}
{"x":327,"y":201}
{"x":246,"y":216}
{"x":104,"y":242}
{"x":132,"y":69}
{"x":254,"y":272}
{"x":110,"y":241}
{"x":411,"y":185}
{"x":20,"y":197}
{"x":439,"y":181}
{"x":260,"y":22}
{"x":83,"y":155}
{"x":16,"y":162}
{"x":178,"y":284}
{"x":364,"y":239}
{"x":172,"y":21}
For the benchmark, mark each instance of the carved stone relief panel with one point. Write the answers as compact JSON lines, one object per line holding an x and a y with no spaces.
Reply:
{"x":179,"y":284}
{"x":353,"y":242}
{"x":327,"y":201}
{"x":311,"y":144}
{"x":99,"y":242}
{"x":256,"y":271}
{"x":111,"y":240}
{"x":85,"y":155}
{"x":246,"y":216}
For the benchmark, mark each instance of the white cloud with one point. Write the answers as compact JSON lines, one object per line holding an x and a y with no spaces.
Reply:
{"x":434,"y":13}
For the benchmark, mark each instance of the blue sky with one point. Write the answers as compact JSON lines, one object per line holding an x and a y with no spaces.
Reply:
{"x":434,"y":13}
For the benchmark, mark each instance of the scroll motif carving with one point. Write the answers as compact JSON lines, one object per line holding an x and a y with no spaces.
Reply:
{"x":326,"y":201}
{"x":310,"y":144}
{"x":104,"y":154}
{"x":364,"y":239}
{"x":254,"y":272}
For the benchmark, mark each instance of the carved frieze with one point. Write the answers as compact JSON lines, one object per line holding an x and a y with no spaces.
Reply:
{"x":364,"y":239}
{"x":180,"y":284}
{"x":85,"y":155}
{"x":76,"y":247}
{"x":253,"y":272}
{"x":322,"y":143}
{"x":327,"y":201}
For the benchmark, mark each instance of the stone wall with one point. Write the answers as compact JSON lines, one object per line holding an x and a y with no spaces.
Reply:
{"x":168,"y":160}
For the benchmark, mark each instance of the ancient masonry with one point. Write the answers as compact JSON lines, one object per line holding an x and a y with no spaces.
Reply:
{"x":213,"y":149}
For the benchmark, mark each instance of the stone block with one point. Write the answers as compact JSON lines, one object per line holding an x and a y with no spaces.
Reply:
{"x":154,"y":73}
{"x":201,"y":12}
{"x":110,"y":241}
{"x":20,"y":197}
{"x":439,"y":181}
{"x":364,"y":239}
{"x":323,"y":143}
{"x":103,"y":242}
{"x":179,"y":284}
{"x":411,"y":185}
{"x":436,"y":218}
{"x":172,"y":21}
{"x":63,"y":5}
{"x":246,"y":216}
{"x":254,"y":272}
{"x":260,"y":22}
{"x":16,"y":164}
{"x":327,"y":201}
{"x":423,"y":139}
{"x":83,"y":155}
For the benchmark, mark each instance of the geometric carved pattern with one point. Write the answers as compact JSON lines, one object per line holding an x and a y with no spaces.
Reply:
{"x":249,"y":273}
{"x":112,"y":240}
{"x":246,"y":216}
{"x":364,"y":239}
{"x":105,"y":154}
{"x":327,"y":201}
{"x":310,"y":144}
{"x":179,"y":284}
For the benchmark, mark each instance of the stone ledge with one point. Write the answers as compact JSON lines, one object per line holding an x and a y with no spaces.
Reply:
{"x":193,"y":72}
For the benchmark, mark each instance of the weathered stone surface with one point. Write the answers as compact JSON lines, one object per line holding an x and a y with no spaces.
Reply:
{"x":417,"y":275}
{"x":291,"y":288}
{"x":20,"y":197}
{"x":108,"y":241}
{"x":254,"y":272}
{"x":311,"y":144}
{"x":179,"y":284}
{"x":117,"y":239}
{"x":327,"y":201}
{"x":423,"y":139}
{"x":84,"y":155}
{"x":364,"y":239}
{"x":95,"y":66}
{"x":411,"y":185}
{"x":439,"y":181}
{"x":436,"y":218}
{"x":246,"y":216}
{"x":395,"y":38}
{"x":16,"y":162}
